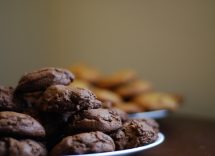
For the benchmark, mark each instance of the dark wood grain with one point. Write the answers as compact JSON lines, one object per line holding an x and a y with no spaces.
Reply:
{"x":185,"y":136}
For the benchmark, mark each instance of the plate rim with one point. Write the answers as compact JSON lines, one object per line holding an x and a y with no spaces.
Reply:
{"x":160,"y":139}
{"x":156,"y":114}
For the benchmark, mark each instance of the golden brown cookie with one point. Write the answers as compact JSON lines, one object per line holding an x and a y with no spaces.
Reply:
{"x":80,"y":84}
{"x":133,"y":88}
{"x":129,"y":107}
{"x":105,"y":95}
{"x":178,"y":97}
{"x":156,"y":100}
{"x":85,"y":72}
{"x":117,"y":79}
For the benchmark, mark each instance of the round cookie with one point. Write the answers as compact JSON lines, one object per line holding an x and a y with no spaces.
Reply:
{"x":59,"y":98}
{"x":123,"y":115}
{"x":41,"y":79}
{"x":152,"y":123}
{"x":133,"y":88}
{"x":80,"y":84}
{"x":129,"y":107}
{"x":56,"y":98}
{"x":20,"y":125}
{"x":86,"y":73}
{"x":157,"y":100}
{"x":105,"y":120}
{"x":7,"y":102}
{"x":134,"y":133}
{"x":93,"y":142}
{"x":117,"y":79}
{"x":105,"y":95}
{"x":13,"y":147}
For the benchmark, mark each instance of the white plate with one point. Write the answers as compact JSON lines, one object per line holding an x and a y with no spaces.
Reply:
{"x":129,"y":151}
{"x":158,"y":114}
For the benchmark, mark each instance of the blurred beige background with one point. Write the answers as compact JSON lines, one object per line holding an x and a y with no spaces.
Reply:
{"x":171,"y":43}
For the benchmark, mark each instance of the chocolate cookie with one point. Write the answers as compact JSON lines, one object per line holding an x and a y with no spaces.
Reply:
{"x":152,"y":123}
{"x":123,"y":115}
{"x":59,"y":98}
{"x":41,"y":79}
{"x":20,"y":125}
{"x":7,"y":102}
{"x":93,"y":142}
{"x":13,"y":147}
{"x":133,"y":133}
{"x":104,"y":120}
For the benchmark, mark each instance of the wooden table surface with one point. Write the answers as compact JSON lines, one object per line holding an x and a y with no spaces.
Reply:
{"x":185,"y":136}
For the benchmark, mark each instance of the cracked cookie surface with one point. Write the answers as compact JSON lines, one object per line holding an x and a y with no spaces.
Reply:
{"x":7,"y":102}
{"x":105,"y":120}
{"x":13,"y":147}
{"x":93,"y":142}
{"x":20,"y":125}
{"x":59,"y":98}
{"x":134,"y":133}
{"x":41,"y":79}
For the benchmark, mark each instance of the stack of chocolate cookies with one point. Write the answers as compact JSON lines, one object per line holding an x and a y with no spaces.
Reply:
{"x":45,"y":115}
